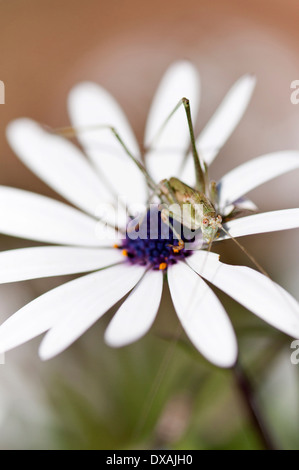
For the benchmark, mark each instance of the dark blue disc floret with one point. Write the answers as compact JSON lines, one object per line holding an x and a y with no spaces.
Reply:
{"x":151,"y":242}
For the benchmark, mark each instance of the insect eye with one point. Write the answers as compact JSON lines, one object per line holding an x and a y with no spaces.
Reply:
{"x":205,"y":222}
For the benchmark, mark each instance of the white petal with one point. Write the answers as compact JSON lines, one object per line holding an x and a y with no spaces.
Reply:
{"x":226,"y":118}
{"x":222,"y":124}
{"x":137,"y":314}
{"x":50,"y":308}
{"x":252,"y":289}
{"x":241,"y":204}
{"x":202,"y":316}
{"x":265,"y":222}
{"x":32,"y":263}
{"x":251,"y":174}
{"x":91,"y":106}
{"x":28,"y":215}
{"x":246,"y":204}
{"x":105,"y":289}
{"x":59,"y":163}
{"x":181,"y":80}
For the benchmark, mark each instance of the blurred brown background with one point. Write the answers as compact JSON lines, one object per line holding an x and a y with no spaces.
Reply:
{"x":126,"y":45}
{"x":46,"y":47}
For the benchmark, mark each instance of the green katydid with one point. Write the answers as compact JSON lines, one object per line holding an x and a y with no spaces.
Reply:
{"x":200,"y":201}
{"x":202,"y":213}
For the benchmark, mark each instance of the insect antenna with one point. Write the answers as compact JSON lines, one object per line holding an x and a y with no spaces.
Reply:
{"x":252,"y":259}
{"x":260,"y":268}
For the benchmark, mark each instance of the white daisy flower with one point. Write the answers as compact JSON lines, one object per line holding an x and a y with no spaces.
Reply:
{"x":122,"y":265}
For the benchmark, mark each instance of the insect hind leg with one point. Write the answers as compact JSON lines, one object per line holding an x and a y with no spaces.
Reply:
{"x":70,"y":132}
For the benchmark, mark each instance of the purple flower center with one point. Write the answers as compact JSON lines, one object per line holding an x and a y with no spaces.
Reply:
{"x":151,"y":242}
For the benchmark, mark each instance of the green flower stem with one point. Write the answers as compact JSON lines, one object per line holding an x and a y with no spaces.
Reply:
{"x":246,"y":390}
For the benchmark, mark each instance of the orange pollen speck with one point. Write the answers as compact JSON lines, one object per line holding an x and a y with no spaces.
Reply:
{"x":162,"y":266}
{"x":115,"y":246}
{"x":124,"y":252}
{"x":175,"y":250}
